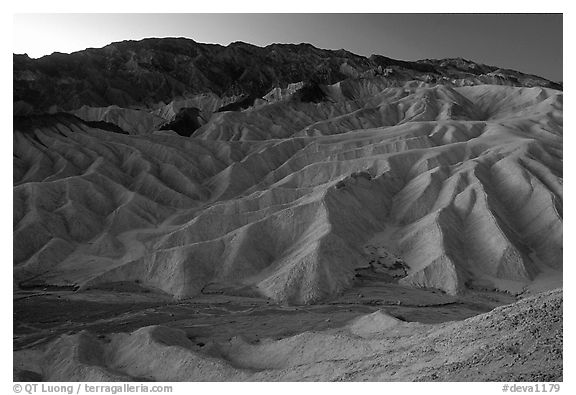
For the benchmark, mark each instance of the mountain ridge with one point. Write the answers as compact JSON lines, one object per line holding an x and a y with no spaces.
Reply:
{"x":143,"y":73}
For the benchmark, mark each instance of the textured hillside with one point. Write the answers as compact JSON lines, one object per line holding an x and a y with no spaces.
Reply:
{"x":434,"y":186}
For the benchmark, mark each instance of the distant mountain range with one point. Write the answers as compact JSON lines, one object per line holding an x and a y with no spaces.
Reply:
{"x":143,"y":74}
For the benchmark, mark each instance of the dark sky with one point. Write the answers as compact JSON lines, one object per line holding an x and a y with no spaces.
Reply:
{"x":531,"y":43}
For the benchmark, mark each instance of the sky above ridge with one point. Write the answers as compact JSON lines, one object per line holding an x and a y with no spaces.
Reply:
{"x":531,"y":43}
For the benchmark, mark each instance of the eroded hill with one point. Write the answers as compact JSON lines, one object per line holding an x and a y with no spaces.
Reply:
{"x":461,"y":186}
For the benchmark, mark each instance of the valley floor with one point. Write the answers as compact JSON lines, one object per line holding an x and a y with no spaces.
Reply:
{"x":374,"y":331}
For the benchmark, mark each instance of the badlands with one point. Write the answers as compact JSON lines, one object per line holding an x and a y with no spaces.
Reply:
{"x":192,"y":212}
